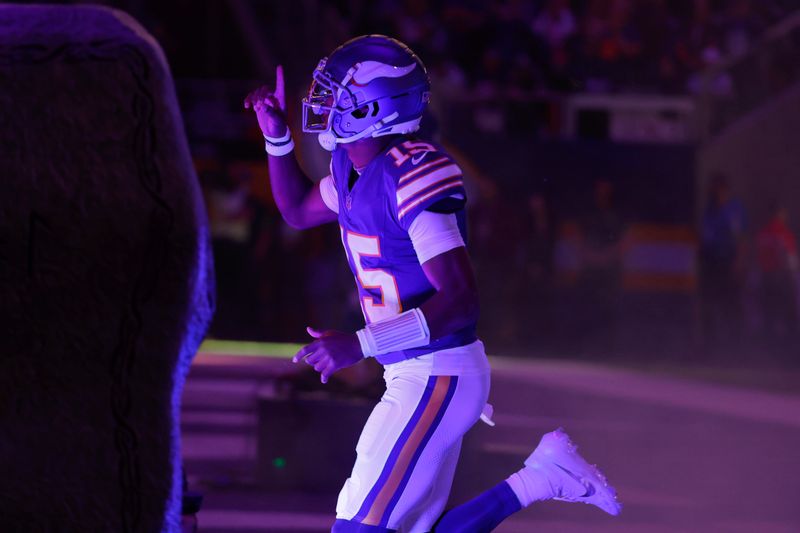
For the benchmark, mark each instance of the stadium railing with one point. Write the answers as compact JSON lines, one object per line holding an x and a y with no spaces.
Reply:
{"x":739,"y":85}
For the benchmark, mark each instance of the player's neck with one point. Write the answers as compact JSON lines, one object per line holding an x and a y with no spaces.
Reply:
{"x":362,"y":152}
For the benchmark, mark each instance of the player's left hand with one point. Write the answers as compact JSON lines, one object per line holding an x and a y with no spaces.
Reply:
{"x":331,"y":351}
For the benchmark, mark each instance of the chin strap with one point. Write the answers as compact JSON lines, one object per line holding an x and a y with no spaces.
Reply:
{"x":328,"y":140}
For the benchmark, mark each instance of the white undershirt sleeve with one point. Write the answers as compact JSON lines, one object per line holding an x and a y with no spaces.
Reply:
{"x":433,"y":234}
{"x":327,"y":189}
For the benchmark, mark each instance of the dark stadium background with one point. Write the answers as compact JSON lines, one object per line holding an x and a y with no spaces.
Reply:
{"x":605,"y":130}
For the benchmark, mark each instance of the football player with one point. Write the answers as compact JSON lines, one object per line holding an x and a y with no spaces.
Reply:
{"x":399,"y":202}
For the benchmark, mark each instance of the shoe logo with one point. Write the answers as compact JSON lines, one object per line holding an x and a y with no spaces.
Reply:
{"x":419,"y":157}
{"x":590,"y":490}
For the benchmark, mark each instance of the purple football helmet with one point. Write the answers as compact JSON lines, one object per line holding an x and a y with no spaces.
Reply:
{"x":370,"y":86}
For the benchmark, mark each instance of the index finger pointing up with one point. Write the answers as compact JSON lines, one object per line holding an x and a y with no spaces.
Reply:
{"x":279,"y":90}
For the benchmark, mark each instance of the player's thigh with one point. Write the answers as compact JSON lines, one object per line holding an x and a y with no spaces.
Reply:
{"x":378,"y":437}
{"x":426,"y":486}
{"x":407,"y":451}
{"x":391,"y":416}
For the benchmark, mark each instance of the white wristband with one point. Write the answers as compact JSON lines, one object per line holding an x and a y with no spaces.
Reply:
{"x":406,"y":330}
{"x":278,"y":146}
{"x":278,"y":140}
{"x":279,"y":150}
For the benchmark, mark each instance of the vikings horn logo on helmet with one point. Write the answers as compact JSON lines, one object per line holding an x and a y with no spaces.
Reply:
{"x":370,"y":86}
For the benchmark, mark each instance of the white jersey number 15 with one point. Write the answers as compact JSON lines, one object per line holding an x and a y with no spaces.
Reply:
{"x":359,"y":246}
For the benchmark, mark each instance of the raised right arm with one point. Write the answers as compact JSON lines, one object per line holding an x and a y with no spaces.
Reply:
{"x":297,"y":197}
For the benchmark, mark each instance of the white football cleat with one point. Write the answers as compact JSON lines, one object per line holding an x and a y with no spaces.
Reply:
{"x":570,"y":476}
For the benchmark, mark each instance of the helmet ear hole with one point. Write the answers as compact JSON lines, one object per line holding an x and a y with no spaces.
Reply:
{"x":374,"y":109}
{"x":361,"y":112}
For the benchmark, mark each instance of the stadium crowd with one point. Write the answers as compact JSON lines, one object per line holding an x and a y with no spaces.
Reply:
{"x":502,"y":50}
{"x":567,"y":45}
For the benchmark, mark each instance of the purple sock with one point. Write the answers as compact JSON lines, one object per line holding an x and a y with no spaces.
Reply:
{"x":481,"y":514}
{"x":349,"y":526}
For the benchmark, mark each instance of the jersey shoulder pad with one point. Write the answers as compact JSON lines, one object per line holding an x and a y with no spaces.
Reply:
{"x":423,"y":175}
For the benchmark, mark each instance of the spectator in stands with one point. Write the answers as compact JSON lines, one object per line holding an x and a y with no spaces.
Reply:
{"x":741,"y":25}
{"x":539,"y":251}
{"x":603,"y":241}
{"x":514,"y":40}
{"x":266,"y":228}
{"x":721,"y":83}
{"x":721,"y":265}
{"x":554,"y":25}
{"x":658,"y":29}
{"x":692,"y":37}
{"x":626,"y":41}
{"x":494,"y":221}
{"x":703,"y":23}
{"x":416,"y":25}
{"x":230,"y":218}
{"x":595,"y":25}
{"x":467,"y":29}
{"x":778,"y":267}
{"x":614,"y":45}
{"x":538,"y":270}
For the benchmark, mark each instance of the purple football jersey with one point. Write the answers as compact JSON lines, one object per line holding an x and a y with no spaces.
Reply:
{"x":409,"y":177}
